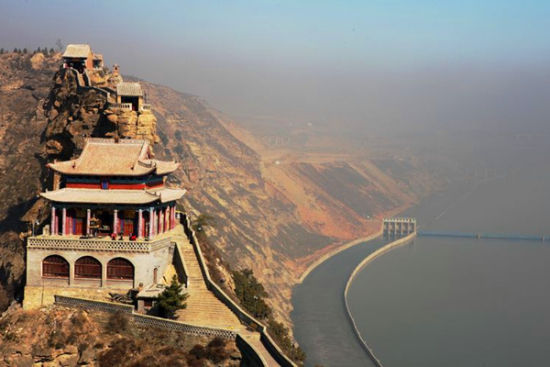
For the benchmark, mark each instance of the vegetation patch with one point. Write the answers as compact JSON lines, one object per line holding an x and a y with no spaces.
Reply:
{"x":252,"y":294}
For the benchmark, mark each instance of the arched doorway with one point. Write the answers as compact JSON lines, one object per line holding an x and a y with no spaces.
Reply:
{"x":87,"y":267}
{"x":120,"y":269}
{"x":55,"y":266}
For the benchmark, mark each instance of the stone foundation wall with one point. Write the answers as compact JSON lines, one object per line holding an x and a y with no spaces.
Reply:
{"x":39,"y":290}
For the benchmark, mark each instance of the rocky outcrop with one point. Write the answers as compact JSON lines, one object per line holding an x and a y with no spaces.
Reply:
{"x":73,"y":115}
{"x":63,"y":337}
{"x":133,"y":124}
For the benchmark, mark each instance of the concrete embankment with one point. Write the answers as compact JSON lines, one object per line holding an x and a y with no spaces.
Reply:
{"x":336,"y":251}
{"x":381,"y":251}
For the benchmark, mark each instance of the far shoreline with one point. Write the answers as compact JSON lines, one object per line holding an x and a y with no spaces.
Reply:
{"x":366,"y":261}
{"x":336,"y":251}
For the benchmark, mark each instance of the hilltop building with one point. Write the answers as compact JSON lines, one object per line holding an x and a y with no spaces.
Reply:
{"x":130,"y":93}
{"x":112,"y":217}
{"x":126,"y":108}
{"x":78,"y":57}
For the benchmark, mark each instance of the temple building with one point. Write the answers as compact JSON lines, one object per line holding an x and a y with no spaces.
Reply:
{"x":130,"y":93}
{"x":78,"y":57}
{"x":112,"y":217}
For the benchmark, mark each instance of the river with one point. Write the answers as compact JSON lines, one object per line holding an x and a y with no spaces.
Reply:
{"x":442,"y":301}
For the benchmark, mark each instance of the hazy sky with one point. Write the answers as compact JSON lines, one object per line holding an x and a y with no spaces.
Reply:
{"x":357,"y":63}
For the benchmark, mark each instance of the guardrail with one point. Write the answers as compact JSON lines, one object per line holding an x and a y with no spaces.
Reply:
{"x":59,"y":243}
{"x":251,"y":357}
{"x":486,"y":236}
{"x":121,"y":106}
{"x":143,"y":320}
{"x":93,"y":304}
{"x":244,"y":316}
{"x":381,"y":251}
{"x":180,"y":262}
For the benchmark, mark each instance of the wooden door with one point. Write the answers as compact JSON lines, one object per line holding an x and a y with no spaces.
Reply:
{"x":78,"y":226}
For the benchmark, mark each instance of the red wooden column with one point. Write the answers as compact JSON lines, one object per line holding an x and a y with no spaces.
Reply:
{"x":88,"y":216}
{"x":159,"y":221}
{"x":140,"y":223}
{"x":64,"y":221}
{"x":166,"y":219}
{"x":53,"y":230}
{"x":154,"y":218}
{"x":161,"y":227}
{"x":151,"y":229}
{"x":115,"y":221}
{"x":173,"y":216}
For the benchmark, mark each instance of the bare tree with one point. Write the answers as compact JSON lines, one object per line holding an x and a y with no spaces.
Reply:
{"x":59,"y":45}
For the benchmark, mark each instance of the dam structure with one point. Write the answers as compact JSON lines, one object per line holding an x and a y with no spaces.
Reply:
{"x":485,"y":236}
{"x":399,"y":227}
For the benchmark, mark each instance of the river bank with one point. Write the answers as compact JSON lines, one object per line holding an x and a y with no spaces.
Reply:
{"x":336,"y":251}
{"x":465,"y":301}
{"x":321,"y":322}
{"x":381,"y":251}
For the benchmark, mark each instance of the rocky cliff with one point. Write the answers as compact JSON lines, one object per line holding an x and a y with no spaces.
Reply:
{"x":57,"y":336}
{"x":272,"y":215}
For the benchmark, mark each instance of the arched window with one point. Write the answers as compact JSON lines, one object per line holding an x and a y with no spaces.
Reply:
{"x":120,"y":268}
{"x":87,"y":267}
{"x":55,"y":266}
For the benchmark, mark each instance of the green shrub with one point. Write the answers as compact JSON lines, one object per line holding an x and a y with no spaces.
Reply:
{"x":171,"y":299}
{"x":281,"y":336}
{"x":251,"y":293}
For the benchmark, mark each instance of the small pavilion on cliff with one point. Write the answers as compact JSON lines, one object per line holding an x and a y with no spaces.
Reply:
{"x":130,"y":92}
{"x":78,"y":57}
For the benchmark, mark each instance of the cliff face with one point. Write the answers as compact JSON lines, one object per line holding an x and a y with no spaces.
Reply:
{"x":25,"y":82}
{"x":272,"y":215}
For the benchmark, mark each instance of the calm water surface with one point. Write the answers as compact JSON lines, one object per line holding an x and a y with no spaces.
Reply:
{"x":460,"y":302}
{"x":438,"y":301}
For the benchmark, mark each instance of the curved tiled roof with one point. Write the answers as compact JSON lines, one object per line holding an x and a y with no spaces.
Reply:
{"x":77,"y":51}
{"x":129,"y":89}
{"x":105,"y":157}
{"x":98,"y":196}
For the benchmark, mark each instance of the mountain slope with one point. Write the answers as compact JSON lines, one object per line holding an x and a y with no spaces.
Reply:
{"x":271,"y":217}
{"x":275,"y":212}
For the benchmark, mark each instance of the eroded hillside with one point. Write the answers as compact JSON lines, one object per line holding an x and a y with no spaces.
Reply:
{"x":274,"y":212}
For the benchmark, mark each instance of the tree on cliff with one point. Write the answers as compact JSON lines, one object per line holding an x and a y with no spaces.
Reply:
{"x":251,"y":293}
{"x":172,"y":299}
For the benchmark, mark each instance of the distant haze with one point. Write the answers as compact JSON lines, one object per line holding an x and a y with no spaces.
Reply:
{"x":368,"y":65}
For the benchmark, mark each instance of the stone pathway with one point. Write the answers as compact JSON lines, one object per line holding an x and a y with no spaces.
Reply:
{"x":205,"y":309}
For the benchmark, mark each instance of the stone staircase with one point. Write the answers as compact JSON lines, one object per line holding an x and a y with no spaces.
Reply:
{"x":203,"y":307}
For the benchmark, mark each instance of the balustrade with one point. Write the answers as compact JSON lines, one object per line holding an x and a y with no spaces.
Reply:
{"x":59,"y":243}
